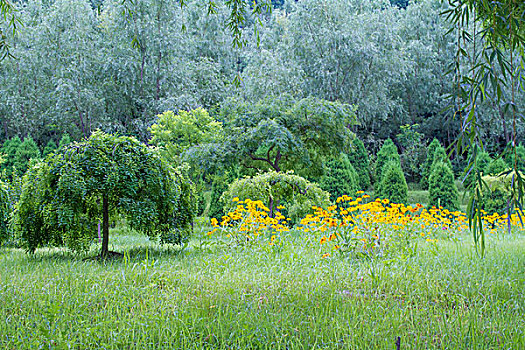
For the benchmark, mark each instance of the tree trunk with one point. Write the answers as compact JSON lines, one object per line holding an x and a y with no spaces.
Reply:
{"x":105,"y":227}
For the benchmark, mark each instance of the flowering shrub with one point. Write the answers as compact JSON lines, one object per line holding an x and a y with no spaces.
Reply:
{"x":359,"y":226}
{"x":250,"y":222}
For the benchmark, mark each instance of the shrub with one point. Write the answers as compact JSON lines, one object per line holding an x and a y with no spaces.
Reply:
{"x":63,"y":196}
{"x":442,"y":190}
{"x":51,"y":146}
{"x":440,"y":155}
{"x":220,"y":185}
{"x":497,"y":193}
{"x":9,"y":149}
{"x":64,"y":141}
{"x":358,"y":156}
{"x":496,"y":167}
{"x":510,"y":156}
{"x":393,"y":184}
{"x":26,"y":151}
{"x":274,"y":189}
{"x":413,"y":151}
{"x":425,"y":169}
{"x":339,"y":178}
{"x":387,"y":153}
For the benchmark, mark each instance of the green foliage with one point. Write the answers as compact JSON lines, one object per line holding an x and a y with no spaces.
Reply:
{"x":413,"y":151}
{"x":442,"y":190}
{"x":5,"y":213}
{"x":388,"y":153}
{"x":511,"y":156}
{"x":51,"y":146}
{"x":427,"y":165}
{"x":64,"y":196}
{"x":295,"y":193}
{"x":359,"y":158}
{"x":284,"y":134}
{"x":440,"y":155}
{"x":220,"y":184}
{"x":26,"y":151}
{"x":175,"y":133}
{"x":496,"y":167}
{"x":64,"y":141}
{"x":497,"y":193}
{"x":393,"y":184}
{"x":9,"y":149}
{"x":339,"y":178}
{"x":481,"y":163}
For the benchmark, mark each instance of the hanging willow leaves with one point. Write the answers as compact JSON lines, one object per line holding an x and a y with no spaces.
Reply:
{"x":496,"y":66}
{"x":7,"y":15}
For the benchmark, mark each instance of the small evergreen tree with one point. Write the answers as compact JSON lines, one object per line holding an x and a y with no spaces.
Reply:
{"x":425,"y":169}
{"x":496,"y":167}
{"x":64,"y":141}
{"x":441,"y":187}
{"x":358,"y":156}
{"x":393,"y":185}
{"x":50,"y":148}
{"x":339,"y":178}
{"x":387,"y":153}
{"x":440,"y":155}
{"x":9,"y":149}
{"x":28,"y":150}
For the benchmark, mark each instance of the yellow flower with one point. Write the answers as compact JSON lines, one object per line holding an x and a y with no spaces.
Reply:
{"x":326,"y":255}
{"x":323,"y":240}
{"x":236,"y":199}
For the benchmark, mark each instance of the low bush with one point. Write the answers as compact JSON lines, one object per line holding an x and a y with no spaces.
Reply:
{"x":277,"y":190}
{"x":496,"y":167}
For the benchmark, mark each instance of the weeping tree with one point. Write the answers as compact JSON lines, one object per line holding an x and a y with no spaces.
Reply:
{"x":64,"y":197}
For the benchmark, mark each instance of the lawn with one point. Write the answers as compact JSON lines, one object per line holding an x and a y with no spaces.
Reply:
{"x":261,"y":296}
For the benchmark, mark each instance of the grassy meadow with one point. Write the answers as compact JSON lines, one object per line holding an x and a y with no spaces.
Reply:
{"x":260,"y":296}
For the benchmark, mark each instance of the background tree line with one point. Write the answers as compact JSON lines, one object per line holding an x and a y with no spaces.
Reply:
{"x":82,"y":65}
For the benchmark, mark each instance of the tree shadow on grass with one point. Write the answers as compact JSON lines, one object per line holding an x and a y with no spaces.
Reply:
{"x":120,"y":254}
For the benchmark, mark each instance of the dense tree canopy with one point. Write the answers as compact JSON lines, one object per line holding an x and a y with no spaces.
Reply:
{"x":283,"y":134}
{"x":120,"y":64}
{"x":65,"y":196}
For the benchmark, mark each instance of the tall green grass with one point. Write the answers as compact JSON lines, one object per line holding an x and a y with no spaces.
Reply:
{"x":261,"y":297}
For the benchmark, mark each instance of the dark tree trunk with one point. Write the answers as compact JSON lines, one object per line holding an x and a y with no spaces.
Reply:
{"x":105,"y":227}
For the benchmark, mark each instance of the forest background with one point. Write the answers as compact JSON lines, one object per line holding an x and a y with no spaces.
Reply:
{"x":84,"y":65}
